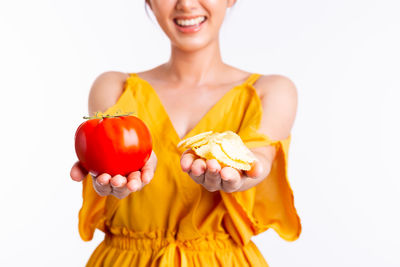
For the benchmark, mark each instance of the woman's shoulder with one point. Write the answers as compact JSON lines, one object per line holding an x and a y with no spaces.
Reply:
{"x":279,"y":100}
{"x":106,"y":90}
{"x":275,"y":85}
{"x":266,"y":84}
{"x":111,"y":77}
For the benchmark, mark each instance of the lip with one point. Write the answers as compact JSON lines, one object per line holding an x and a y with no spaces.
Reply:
{"x":189,"y":17}
{"x":189,"y":29}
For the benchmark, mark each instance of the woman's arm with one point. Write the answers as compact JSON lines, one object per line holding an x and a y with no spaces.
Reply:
{"x":279,"y":102}
{"x":105,"y":92}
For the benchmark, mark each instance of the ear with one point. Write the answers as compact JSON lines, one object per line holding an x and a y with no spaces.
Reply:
{"x":231,"y":3}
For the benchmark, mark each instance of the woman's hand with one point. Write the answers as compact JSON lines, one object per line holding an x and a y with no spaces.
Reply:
{"x":118,"y":185}
{"x":209,"y":173}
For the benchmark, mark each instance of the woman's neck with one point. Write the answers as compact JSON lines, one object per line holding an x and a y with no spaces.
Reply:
{"x":195,"y":67}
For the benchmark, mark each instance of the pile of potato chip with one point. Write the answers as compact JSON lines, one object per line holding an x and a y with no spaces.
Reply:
{"x":227,"y":148}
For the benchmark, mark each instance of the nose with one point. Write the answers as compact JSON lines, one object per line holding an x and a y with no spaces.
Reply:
{"x":186,"y":5}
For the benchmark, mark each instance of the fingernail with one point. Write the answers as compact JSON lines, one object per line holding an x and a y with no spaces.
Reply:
{"x":214,"y":171}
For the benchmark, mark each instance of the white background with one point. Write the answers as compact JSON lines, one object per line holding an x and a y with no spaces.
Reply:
{"x":343,"y":55}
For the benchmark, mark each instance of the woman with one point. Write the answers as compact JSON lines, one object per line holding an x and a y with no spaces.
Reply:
{"x":179,"y":209}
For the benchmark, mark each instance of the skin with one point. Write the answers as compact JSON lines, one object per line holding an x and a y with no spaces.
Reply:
{"x":195,"y":70}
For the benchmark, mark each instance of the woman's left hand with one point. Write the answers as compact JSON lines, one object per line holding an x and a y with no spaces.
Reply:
{"x":213,"y":177}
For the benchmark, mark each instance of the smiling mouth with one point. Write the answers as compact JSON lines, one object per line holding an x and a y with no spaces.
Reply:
{"x":191,"y":22}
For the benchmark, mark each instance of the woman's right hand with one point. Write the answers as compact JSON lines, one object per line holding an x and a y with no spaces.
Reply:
{"x":118,"y":185}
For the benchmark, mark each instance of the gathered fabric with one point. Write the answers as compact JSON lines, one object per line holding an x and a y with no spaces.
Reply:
{"x":174,"y":221}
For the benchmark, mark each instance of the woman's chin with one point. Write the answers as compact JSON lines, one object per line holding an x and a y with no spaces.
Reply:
{"x":190,"y":46}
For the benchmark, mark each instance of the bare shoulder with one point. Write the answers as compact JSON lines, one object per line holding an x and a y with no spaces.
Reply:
{"x":278,"y":95}
{"x":106,"y":90}
{"x":275,"y":84}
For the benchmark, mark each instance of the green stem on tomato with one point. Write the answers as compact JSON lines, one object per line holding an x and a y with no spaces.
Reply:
{"x":96,"y":116}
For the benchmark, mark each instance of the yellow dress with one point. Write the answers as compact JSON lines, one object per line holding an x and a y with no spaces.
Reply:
{"x":173,"y":221}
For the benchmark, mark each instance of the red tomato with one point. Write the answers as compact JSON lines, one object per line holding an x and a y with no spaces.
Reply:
{"x":113,"y":145}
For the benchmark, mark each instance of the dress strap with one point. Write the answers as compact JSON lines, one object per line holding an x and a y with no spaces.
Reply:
{"x":252,"y":78}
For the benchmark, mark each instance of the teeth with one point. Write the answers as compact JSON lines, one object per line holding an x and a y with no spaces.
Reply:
{"x":190,"y":22}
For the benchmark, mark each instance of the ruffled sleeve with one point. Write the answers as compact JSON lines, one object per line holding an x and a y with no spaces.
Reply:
{"x":92,"y":213}
{"x":269,"y":204}
{"x":95,"y":209}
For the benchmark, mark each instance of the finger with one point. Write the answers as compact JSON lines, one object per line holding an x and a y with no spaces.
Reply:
{"x":198,"y":170}
{"x":187,"y":159}
{"x":152,"y":162}
{"x":103,"y":188}
{"x":198,"y":179}
{"x":134,"y":181}
{"x":147,"y":171}
{"x":121,"y":193}
{"x":213,"y":165}
{"x":231,"y":179}
{"x":118,"y":183}
{"x":78,"y":173}
{"x":147,"y":174}
{"x":212,"y":170}
{"x":198,"y":167}
{"x":103,"y":179}
{"x":212,"y":179}
{"x":256,"y":170}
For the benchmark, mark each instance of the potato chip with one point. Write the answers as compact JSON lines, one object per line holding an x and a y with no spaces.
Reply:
{"x":220,"y":156}
{"x":203,"y":151}
{"x":227,"y":148}
{"x":217,"y":137}
{"x":237,"y":150}
{"x":229,"y":135}
{"x":190,"y":140}
{"x":202,"y":142}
